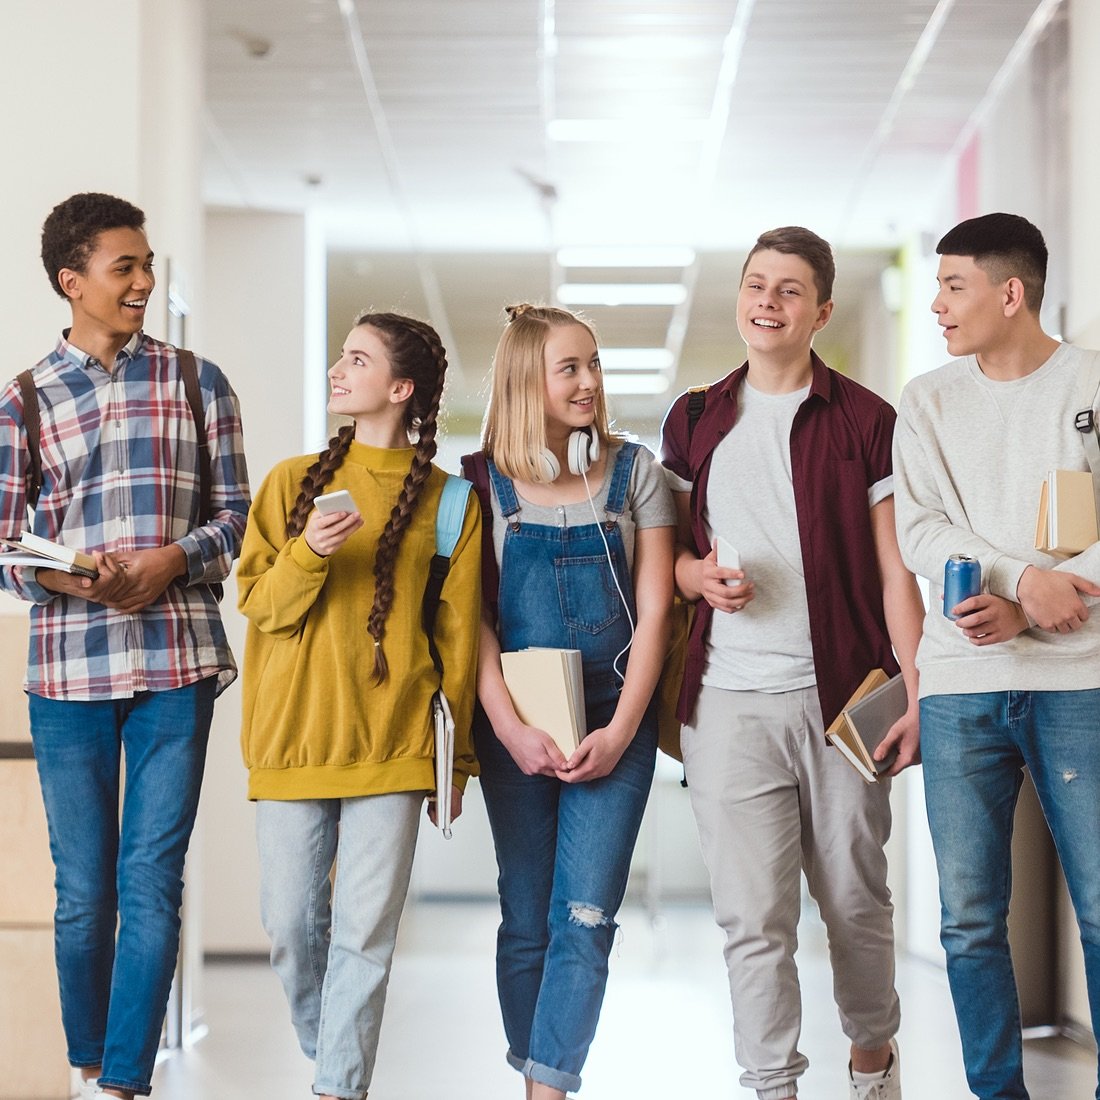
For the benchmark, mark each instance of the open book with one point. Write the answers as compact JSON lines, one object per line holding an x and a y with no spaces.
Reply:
{"x":1066,"y":522}
{"x":38,"y":553}
{"x":547,"y":690}
{"x":866,"y":719}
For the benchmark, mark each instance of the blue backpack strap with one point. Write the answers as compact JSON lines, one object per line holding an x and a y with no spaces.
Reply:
{"x":448,"y":527}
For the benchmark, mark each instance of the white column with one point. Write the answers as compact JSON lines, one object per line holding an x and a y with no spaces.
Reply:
{"x":258,"y":331}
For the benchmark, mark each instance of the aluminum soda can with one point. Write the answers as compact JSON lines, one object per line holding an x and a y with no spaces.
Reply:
{"x":962,"y":578}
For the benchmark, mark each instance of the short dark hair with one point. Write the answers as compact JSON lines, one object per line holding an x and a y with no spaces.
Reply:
{"x":69,"y":234}
{"x":1004,"y":246}
{"x":807,"y":245}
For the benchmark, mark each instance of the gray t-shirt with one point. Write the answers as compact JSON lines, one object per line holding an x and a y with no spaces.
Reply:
{"x":648,"y":504}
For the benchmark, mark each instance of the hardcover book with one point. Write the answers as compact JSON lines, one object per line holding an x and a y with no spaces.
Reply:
{"x":866,"y":719}
{"x":1066,"y":522}
{"x":547,"y":690}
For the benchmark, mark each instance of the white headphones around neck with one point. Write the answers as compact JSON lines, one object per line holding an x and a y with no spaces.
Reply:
{"x":581,"y":450}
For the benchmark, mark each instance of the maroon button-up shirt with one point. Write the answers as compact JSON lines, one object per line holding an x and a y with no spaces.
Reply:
{"x":840,"y":447}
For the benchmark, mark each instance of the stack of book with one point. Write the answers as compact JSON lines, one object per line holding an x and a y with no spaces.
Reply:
{"x":547,"y":690}
{"x":1066,"y":523}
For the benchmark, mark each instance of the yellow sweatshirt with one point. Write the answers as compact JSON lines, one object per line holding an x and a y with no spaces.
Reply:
{"x":315,"y":724}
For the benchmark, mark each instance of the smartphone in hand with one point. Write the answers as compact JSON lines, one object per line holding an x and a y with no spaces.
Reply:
{"x":339,"y":501}
{"x":729,"y":558}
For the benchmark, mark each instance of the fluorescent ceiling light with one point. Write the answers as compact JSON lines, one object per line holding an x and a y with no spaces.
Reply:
{"x":657,"y":256}
{"x":621,"y":294}
{"x":650,"y":384}
{"x":627,"y":129}
{"x":635,"y":359}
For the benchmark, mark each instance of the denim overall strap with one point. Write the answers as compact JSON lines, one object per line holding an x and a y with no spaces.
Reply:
{"x":620,"y":482}
{"x":506,"y":494}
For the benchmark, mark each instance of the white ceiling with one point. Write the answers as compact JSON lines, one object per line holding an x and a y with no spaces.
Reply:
{"x":428,"y":126}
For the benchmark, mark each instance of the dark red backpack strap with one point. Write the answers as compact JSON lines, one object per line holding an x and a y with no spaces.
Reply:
{"x":190,"y":374}
{"x":33,"y":424}
{"x":475,"y":469}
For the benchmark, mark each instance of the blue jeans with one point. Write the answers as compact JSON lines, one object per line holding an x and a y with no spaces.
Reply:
{"x":974,"y":749}
{"x":114,"y":992}
{"x":333,"y":951}
{"x":563,"y":852}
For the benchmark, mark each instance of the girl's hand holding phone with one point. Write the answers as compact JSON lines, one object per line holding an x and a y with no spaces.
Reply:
{"x":326,"y":534}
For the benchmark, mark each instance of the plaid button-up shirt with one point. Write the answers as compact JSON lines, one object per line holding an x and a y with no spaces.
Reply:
{"x":120,"y":473}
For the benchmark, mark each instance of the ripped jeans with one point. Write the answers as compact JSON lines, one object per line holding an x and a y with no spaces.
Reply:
{"x":974,"y":748}
{"x":563,"y":851}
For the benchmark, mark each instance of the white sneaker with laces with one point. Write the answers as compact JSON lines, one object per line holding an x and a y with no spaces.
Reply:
{"x":877,"y":1086}
{"x":88,"y":1089}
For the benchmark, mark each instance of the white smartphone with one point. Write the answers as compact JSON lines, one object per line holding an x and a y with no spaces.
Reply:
{"x":729,"y":558}
{"x":340,"y":501}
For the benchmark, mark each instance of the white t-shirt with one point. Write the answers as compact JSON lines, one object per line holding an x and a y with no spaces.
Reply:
{"x":750,"y":503}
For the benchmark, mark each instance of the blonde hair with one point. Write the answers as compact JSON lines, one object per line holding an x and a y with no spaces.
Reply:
{"x":514,"y":433}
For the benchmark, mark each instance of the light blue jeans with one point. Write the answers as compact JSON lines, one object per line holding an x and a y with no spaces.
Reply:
{"x":332,"y":949}
{"x":114,"y":986}
{"x":974,"y":749}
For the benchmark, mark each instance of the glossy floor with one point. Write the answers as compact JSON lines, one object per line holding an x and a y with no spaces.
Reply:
{"x":665,"y":1030}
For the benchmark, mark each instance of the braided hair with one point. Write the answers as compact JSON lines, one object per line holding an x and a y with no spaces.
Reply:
{"x":416,"y":353}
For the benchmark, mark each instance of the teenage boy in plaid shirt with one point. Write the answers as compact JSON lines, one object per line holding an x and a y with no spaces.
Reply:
{"x":127,"y":664}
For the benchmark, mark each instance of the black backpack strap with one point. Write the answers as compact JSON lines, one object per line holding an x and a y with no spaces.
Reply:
{"x":33,"y":424}
{"x":449,"y":519}
{"x":475,"y":468}
{"x":697,"y":402}
{"x":190,"y":374}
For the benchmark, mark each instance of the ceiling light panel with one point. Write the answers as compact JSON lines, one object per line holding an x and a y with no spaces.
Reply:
{"x":649,"y":384}
{"x":636,"y":359}
{"x":616,"y":257}
{"x":621,"y":294}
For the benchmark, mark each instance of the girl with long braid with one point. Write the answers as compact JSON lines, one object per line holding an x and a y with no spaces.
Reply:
{"x":338,"y":680}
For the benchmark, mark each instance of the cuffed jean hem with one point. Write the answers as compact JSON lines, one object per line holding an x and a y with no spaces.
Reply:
{"x":544,"y":1075}
{"x":338,"y":1091}
{"x":131,"y":1086}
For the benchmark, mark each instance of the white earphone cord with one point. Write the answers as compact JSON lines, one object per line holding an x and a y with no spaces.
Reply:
{"x":614,"y":576}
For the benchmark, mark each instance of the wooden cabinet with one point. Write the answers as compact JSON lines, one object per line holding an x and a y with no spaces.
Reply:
{"x":32,"y":1043}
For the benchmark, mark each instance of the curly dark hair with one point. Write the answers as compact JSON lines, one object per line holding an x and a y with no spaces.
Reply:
{"x":69,"y":234}
{"x":416,"y":353}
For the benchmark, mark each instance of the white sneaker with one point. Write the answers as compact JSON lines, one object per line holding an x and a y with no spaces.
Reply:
{"x":877,"y":1086}
{"x":88,"y":1089}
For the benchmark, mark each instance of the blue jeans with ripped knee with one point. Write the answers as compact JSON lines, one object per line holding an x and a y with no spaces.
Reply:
{"x":974,"y":749}
{"x":563,"y":853}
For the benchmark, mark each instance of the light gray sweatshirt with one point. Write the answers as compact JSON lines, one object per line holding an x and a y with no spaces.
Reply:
{"x":970,"y":457}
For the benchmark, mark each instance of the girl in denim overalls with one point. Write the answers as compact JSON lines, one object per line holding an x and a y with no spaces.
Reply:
{"x":565,"y":827}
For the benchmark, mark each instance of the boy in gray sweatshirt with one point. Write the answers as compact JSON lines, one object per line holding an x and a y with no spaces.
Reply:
{"x":1014,"y":680}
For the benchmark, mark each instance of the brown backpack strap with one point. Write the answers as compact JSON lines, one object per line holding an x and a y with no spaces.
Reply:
{"x":475,"y":468}
{"x":33,"y":424}
{"x":190,"y":374}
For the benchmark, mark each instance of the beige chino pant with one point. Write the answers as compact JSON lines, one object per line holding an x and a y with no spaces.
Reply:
{"x":771,"y":798}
